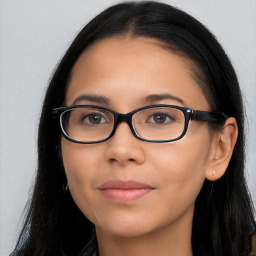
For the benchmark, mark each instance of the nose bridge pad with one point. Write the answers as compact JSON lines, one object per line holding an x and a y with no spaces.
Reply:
{"x":127,"y":119}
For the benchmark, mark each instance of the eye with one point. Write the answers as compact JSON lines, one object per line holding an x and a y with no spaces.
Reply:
{"x":94,"y":118}
{"x":160,"y":118}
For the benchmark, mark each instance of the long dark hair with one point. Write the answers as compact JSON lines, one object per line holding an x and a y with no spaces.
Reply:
{"x":223,"y":217}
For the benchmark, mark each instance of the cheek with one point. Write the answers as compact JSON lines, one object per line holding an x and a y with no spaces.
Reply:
{"x":182,"y":165}
{"x":80,"y":161}
{"x":80,"y":167}
{"x":181,"y":162}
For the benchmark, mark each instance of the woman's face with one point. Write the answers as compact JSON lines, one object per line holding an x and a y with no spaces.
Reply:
{"x":125,"y":186}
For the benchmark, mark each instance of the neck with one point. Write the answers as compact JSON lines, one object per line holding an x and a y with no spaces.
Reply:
{"x":166,"y":241}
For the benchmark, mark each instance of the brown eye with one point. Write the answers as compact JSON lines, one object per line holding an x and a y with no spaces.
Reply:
{"x":95,"y":118}
{"x":160,"y":118}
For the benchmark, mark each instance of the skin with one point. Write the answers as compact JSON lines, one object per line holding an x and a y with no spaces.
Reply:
{"x":125,"y":71}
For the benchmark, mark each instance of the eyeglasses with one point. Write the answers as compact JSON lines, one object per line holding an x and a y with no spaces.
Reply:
{"x":154,"y":123}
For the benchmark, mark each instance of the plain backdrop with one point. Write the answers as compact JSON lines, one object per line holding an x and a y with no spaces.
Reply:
{"x":33,"y":37}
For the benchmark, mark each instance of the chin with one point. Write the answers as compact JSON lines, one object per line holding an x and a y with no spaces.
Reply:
{"x":122,"y":230}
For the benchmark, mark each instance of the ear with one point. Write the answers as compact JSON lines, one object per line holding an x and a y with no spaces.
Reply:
{"x":222,"y":149}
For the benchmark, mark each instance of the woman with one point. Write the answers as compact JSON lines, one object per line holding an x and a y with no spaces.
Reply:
{"x":141,"y":143}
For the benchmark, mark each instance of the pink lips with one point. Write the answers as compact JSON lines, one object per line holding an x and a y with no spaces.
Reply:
{"x":124,"y":190}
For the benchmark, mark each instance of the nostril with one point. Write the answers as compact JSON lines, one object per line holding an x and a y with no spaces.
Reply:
{"x":124,"y":150}
{"x":112,"y":160}
{"x":129,"y":160}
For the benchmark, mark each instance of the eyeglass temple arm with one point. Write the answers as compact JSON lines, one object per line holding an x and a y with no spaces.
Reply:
{"x":208,"y":116}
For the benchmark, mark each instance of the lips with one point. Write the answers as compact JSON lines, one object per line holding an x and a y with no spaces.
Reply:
{"x":124,"y":190}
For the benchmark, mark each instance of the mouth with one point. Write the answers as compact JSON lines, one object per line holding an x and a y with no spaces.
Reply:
{"x":124,"y":190}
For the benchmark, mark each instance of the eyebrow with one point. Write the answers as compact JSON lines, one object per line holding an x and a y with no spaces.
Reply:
{"x":157,"y":97}
{"x":149,"y":99}
{"x":92,"y":98}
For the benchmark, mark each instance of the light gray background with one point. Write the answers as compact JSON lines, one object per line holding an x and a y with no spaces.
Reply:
{"x":34,"y":36}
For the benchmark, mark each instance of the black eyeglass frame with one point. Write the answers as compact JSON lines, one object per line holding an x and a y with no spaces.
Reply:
{"x":189,"y":114}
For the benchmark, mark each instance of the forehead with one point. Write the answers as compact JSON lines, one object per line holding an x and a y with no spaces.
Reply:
{"x":129,"y":69}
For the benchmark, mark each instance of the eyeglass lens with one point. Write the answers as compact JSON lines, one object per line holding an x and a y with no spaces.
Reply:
{"x":92,"y":124}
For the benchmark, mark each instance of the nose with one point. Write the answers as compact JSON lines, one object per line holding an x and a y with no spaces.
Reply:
{"x":123,"y":148}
